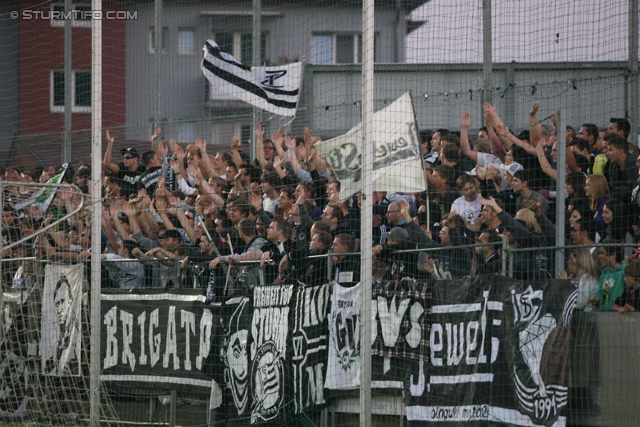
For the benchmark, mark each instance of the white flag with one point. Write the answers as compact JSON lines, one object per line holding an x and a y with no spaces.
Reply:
{"x":397,"y":160}
{"x":274,"y":89}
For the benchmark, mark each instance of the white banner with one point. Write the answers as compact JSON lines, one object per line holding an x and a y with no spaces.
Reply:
{"x":397,"y":160}
{"x":274,"y":89}
{"x":343,"y":365}
{"x":61,"y":320}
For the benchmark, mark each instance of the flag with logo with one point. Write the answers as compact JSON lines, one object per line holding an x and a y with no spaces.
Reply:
{"x":273,"y":89}
{"x":397,"y":160}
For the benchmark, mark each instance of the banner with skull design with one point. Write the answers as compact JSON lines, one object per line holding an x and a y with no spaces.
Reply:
{"x":498,"y":352}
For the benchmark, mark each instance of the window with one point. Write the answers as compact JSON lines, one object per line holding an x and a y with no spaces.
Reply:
{"x":186,"y":132}
{"x":152,"y":40}
{"x":80,"y":92}
{"x":186,"y":42}
{"x":322,"y":49}
{"x":240,"y":45}
{"x":80,"y":15}
{"x":338,"y":48}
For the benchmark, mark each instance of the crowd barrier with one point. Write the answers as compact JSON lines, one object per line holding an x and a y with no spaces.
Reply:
{"x":600,"y":383}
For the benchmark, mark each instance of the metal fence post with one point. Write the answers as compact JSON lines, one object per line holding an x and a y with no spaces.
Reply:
{"x":632,"y":77}
{"x":487,"y":52}
{"x":560,"y":192}
{"x":504,"y":255}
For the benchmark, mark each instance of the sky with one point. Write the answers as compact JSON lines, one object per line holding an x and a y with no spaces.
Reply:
{"x":523,"y":31}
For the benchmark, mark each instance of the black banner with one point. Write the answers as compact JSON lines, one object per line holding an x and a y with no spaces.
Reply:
{"x":159,"y":339}
{"x":498,"y":353}
{"x":309,"y":338}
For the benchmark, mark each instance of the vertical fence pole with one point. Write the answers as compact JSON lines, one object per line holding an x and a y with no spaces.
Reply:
{"x":257,"y":48}
{"x":96,"y":209}
{"x":633,"y":72}
{"x":487,"y":51}
{"x":157,"y":102}
{"x":366,"y":276}
{"x":503,"y":254}
{"x":68,"y":70}
{"x":560,"y":183}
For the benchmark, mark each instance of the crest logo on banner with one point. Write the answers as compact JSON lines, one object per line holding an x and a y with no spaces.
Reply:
{"x":234,"y":354}
{"x":538,"y":391}
{"x":269,"y":334}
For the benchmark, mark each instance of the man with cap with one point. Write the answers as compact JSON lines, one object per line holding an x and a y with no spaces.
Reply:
{"x":128,"y":172}
{"x":400,"y":264}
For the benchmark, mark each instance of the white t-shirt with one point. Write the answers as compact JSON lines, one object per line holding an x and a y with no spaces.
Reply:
{"x":269,"y":204}
{"x":467,"y":210}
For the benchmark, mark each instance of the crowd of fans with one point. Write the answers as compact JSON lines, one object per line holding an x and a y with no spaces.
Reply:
{"x":179,"y":216}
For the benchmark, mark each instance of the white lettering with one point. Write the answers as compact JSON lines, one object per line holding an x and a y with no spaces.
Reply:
{"x":316,"y":385}
{"x":205,"y":338}
{"x":435,"y":343}
{"x":154,"y":341}
{"x":188,"y":322}
{"x":111,"y":358}
{"x":391,"y":319}
{"x":415,"y":334}
{"x":127,"y":339}
{"x":141,"y":321}
{"x":171,"y":348}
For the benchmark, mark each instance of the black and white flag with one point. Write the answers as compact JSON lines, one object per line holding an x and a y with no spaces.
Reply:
{"x":397,"y":158}
{"x":273,"y":89}
{"x":309,"y":338}
{"x":498,"y":352}
{"x":61,"y":320}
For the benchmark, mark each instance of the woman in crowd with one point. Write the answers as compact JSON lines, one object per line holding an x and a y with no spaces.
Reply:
{"x":575,"y":190}
{"x":596,"y":189}
{"x":582,"y":268}
{"x":614,"y":215}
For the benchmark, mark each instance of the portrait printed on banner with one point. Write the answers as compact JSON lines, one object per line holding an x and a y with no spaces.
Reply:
{"x":61,"y":320}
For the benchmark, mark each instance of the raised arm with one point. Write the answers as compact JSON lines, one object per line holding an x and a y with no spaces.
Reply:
{"x":544,"y":163}
{"x":115,"y":169}
{"x":237,"y":160}
{"x":465,"y":124}
{"x":534,"y":127}
{"x":205,"y":162}
{"x":259,"y":131}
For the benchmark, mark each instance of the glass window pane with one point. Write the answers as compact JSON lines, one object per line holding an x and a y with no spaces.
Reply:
{"x":344,"y":49}
{"x":185,"y":41}
{"x":322,"y":49}
{"x":246,"y":48}
{"x":225,"y":42}
{"x":84,"y":12}
{"x":186,"y":132}
{"x":58,"y":88}
{"x":83,"y":89}
{"x":245,"y":134}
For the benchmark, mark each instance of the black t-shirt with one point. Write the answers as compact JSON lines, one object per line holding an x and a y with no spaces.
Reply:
{"x":149,"y":180}
{"x":129,"y":180}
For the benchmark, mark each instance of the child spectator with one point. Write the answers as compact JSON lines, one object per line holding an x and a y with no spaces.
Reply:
{"x":612,"y":277}
{"x":630,"y":298}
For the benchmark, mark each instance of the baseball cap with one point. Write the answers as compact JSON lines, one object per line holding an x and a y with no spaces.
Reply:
{"x":512,"y":168}
{"x":397,"y":233}
{"x":131,"y":151}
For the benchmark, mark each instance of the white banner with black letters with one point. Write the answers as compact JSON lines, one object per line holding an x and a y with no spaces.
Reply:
{"x":343,"y":364}
{"x":397,"y":159}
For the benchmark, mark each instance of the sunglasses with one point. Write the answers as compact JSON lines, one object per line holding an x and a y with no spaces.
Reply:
{"x":128,"y":157}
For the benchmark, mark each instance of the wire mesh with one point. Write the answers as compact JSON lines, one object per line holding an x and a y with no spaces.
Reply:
{"x":234,"y":243}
